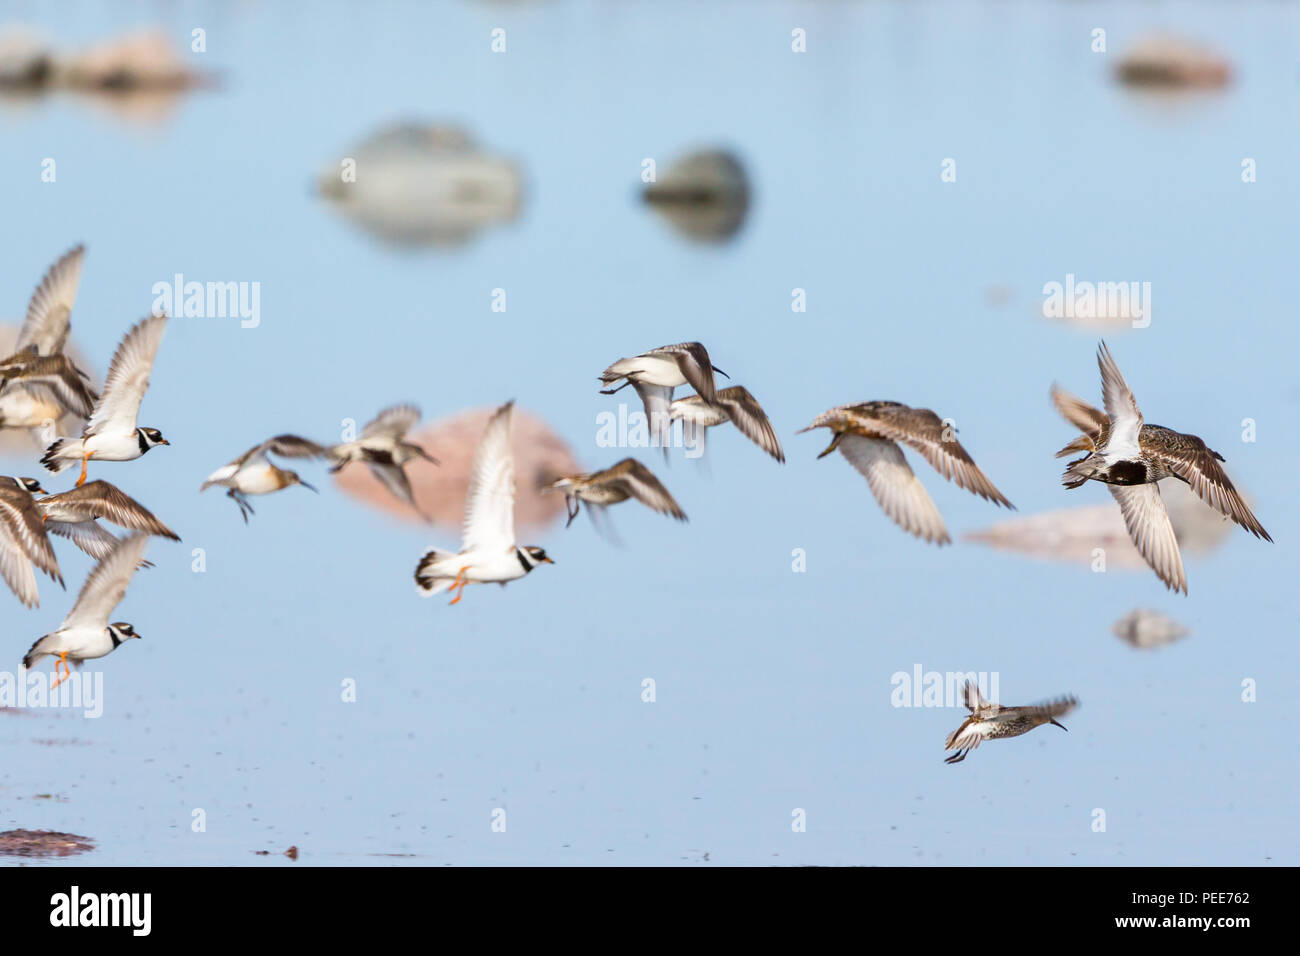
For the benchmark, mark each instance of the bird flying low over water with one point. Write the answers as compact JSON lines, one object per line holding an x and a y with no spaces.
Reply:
{"x":252,"y":473}
{"x":868,"y":434}
{"x":111,"y":433}
{"x":656,"y":373}
{"x":72,"y":514}
{"x":1130,"y":457}
{"x":488,"y":552}
{"x":626,"y":479}
{"x":383,"y":447}
{"x":23,"y":539}
{"x":85,"y":633}
{"x":735,"y":405}
{"x":989,"y":721}
{"x":38,"y":384}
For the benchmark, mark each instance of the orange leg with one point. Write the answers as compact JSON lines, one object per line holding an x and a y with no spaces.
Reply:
{"x":85,"y":459}
{"x":67,"y":671}
{"x":460,"y":582}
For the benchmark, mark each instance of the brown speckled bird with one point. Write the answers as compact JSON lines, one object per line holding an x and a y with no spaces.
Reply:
{"x":988,"y":721}
{"x":868,"y":434}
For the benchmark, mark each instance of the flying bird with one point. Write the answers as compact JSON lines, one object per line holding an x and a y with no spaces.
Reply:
{"x":111,"y":433}
{"x":1130,"y":457}
{"x":253,"y":473}
{"x":488,"y":552}
{"x":656,"y":373}
{"x":44,"y":333}
{"x":735,"y":405}
{"x":72,"y":515}
{"x":85,"y":633}
{"x":626,"y":479}
{"x":23,"y":539}
{"x":991,"y":721}
{"x":868,"y":435}
{"x":383,"y":447}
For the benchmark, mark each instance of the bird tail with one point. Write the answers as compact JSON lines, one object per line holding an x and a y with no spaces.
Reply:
{"x":33,"y":655}
{"x":51,"y":459}
{"x":1083,"y":443}
{"x":428,"y":581}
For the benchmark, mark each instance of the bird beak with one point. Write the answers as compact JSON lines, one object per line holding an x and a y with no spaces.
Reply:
{"x":548,"y":560}
{"x":721,"y":372}
{"x":308,"y":486}
{"x":1062,"y":726}
{"x":427,"y":457}
{"x":831,"y":447}
{"x":138,"y":634}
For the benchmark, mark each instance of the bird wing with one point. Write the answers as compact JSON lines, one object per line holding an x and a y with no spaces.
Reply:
{"x":59,"y":378}
{"x":490,"y":504}
{"x":694,"y":410}
{"x":1052,"y":708}
{"x":106,"y":585}
{"x":972,"y":697}
{"x":923,"y":430}
{"x":969,"y":735}
{"x":640,"y":482}
{"x":693,"y":360}
{"x":1149,"y":526}
{"x":897,"y":489}
{"x":100,"y":499}
{"x":392,"y":422}
{"x":17,"y":570}
{"x":748,"y":416}
{"x":22,"y":521}
{"x":393,"y":477}
{"x":50,"y":309}
{"x":657,"y":399}
{"x":1121,"y":406}
{"x":290,"y":446}
{"x":128,"y":378}
{"x":1191,"y":459}
{"x":1079,"y":413}
{"x":90,"y":536}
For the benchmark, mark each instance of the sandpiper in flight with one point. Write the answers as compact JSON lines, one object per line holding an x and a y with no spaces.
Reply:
{"x":989,"y":721}
{"x":626,"y":479}
{"x":72,"y":514}
{"x":488,"y":552}
{"x":382,"y":445}
{"x":112,"y":434}
{"x":1130,"y":457}
{"x":656,"y":373}
{"x":85,"y":633}
{"x":868,"y":434}
{"x":734,"y":405}
{"x":252,"y":473}
{"x":43,"y":335}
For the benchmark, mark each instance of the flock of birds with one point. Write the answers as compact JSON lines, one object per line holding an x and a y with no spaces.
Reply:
{"x":40,"y":384}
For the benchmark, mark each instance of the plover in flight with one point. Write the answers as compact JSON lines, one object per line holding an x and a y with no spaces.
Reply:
{"x":488,"y":553}
{"x":734,"y":405}
{"x":868,"y":435}
{"x":383,"y":446}
{"x":252,"y":473}
{"x":43,"y":335}
{"x":72,"y":515}
{"x":1130,"y":457}
{"x":86,"y":633}
{"x":990,"y":721}
{"x":23,"y":539}
{"x":656,"y":373}
{"x":626,"y":479}
{"x":111,"y":433}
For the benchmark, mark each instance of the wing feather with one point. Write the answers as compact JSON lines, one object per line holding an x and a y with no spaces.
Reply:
{"x":897,"y":489}
{"x":1149,"y":526}
{"x":128,"y":378}
{"x":490,"y":504}
{"x":106,"y":585}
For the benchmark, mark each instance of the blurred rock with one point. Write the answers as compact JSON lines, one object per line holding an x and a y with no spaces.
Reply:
{"x":1171,"y":62}
{"x":419,"y":185}
{"x":1073,"y":533}
{"x":705,"y":196}
{"x":1146,"y":629}
{"x":42,"y":843}
{"x":440,"y":490}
